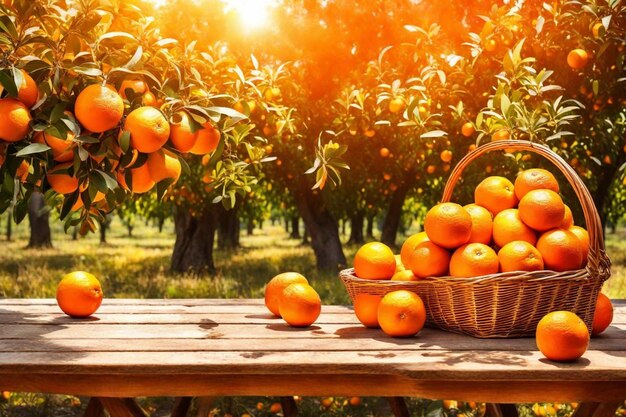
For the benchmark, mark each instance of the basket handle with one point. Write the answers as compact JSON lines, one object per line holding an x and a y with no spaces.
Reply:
{"x":597,"y":257}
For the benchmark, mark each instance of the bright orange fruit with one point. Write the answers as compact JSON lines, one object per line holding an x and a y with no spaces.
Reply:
{"x":274,"y":289}
{"x":79,"y":294}
{"x":562,"y":336}
{"x":603,"y":315}
{"x":519,"y":256}
{"x":495,"y":194}
{"x":366,"y":309}
{"x":401,"y":314}
{"x":542,"y":209}
{"x":473,"y":260}
{"x":299,"y":305}
{"x":374,"y":260}
{"x":448,"y":225}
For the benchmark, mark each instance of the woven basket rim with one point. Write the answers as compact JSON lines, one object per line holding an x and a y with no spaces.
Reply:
{"x":521,"y":276}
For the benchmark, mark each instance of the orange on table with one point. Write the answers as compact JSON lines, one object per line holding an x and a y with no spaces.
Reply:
{"x":99,"y":108}
{"x":79,"y":294}
{"x":495,"y":194}
{"x":568,"y":218}
{"x":535,"y":179}
{"x":299,"y":305}
{"x":429,"y":260}
{"x":482,"y":224}
{"x":181,"y":134}
{"x":583,"y":236}
{"x":404,"y":275}
{"x":467,"y":129}
{"x":28,"y":93}
{"x":577,"y":58}
{"x":62,"y":149}
{"x":509,"y":227}
{"x":401,"y":314}
{"x":366,"y":309}
{"x":409,"y":246}
{"x":164,"y":164}
{"x":207,"y":140}
{"x":448,"y":225}
{"x":274,"y":289}
{"x":562,"y":336}
{"x":603,"y":315}
{"x":149,"y":130}
{"x":561,"y":250}
{"x":60,"y":181}
{"x":473,"y":260}
{"x":519,"y":256}
{"x":542,"y":209}
{"x":14,"y":120}
{"x":374,"y":260}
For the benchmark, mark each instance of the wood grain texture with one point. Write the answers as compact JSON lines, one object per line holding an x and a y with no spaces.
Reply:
{"x":234,"y":347}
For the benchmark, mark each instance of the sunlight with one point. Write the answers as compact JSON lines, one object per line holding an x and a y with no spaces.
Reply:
{"x":253,"y":14}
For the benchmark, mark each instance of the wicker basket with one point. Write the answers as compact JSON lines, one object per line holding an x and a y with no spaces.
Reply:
{"x":506,"y":304}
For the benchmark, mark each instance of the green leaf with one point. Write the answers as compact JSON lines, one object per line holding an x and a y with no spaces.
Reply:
{"x":162,"y":187}
{"x":111,"y":183}
{"x":112,"y":35}
{"x":57,"y":112}
{"x":32,"y":149}
{"x":20,"y":210}
{"x":228,"y":112}
{"x":8,"y":82}
{"x":96,"y":181}
{"x":125,"y":141}
{"x":68,"y":203}
{"x":433,"y":134}
{"x":135,"y":59}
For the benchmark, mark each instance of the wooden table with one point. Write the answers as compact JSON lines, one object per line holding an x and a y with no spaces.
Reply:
{"x":209,"y":348}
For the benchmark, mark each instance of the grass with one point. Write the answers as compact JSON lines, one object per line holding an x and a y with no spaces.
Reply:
{"x":139,"y":266}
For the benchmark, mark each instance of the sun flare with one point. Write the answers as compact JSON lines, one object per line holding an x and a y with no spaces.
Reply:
{"x":253,"y":14}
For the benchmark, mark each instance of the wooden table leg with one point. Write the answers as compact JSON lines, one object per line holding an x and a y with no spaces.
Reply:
{"x":289,"y":406}
{"x":94,"y":408}
{"x":502,"y":410}
{"x":596,"y":409}
{"x":204,"y":405}
{"x":181,"y":407}
{"x":398,"y":406}
{"x":122,"y":407}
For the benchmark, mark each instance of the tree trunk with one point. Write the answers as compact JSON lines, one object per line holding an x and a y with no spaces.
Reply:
{"x":250,"y":227}
{"x":343,"y":227}
{"x":193,"y":250}
{"x":103,"y":232}
{"x":38,"y":216}
{"x":160,"y":224}
{"x":286,"y":224}
{"x":394,"y":213}
{"x":369,"y":234}
{"x":261,"y":225}
{"x":228,"y":227}
{"x":295,"y":227}
{"x":356,"y":228}
{"x":322,"y":227}
{"x":75,"y":233}
{"x":305,"y":236}
{"x":9,"y":226}
{"x":130,"y":228}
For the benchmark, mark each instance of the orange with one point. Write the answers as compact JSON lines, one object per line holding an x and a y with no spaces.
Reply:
{"x":299,"y":305}
{"x":583,"y":236}
{"x":603,"y":315}
{"x":519,"y":256}
{"x":366,"y":309}
{"x":207,"y":140}
{"x":542,"y":209}
{"x":404,"y":275}
{"x":561,"y":250}
{"x":508,"y":227}
{"x":22,"y":171}
{"x":276,"y":408}
{"x":374,"y":260}
{"x":491,"y":45}
{"x":495,"y":194}
{"x":595,"y":30}
{"x":409,"y":246}
{"x":562,"y":336}
{"x":28,"y":92}
{"x":535,"y":179}
{"x":482,"y":224}
{"x":14,"y":120}
{"x":62,"y":149}
{"x":401,"y":314}
{"x":275,"y":288}
{"x":448,"y":225}
{"x":467,"y":129}
{"x":446,"y":156}
{"x":384,"y":152}
{"x":141,"y":180}
{"x":355,"y":401}
{"x":149,"y":130}
{"x":62,"y":182}
{"x":99,"y":108}
{"x":473,"y":260}
{"x":181,"y":135}
{"x":79,"y":294}
{"x":501,"y":134}
{"x":568,"y":219}
{"x":396,"y":105}
{"x":163,"y":164}
{"x":138,"y":86}
{"x":577,"y":58}
{"x":429,"y":260}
